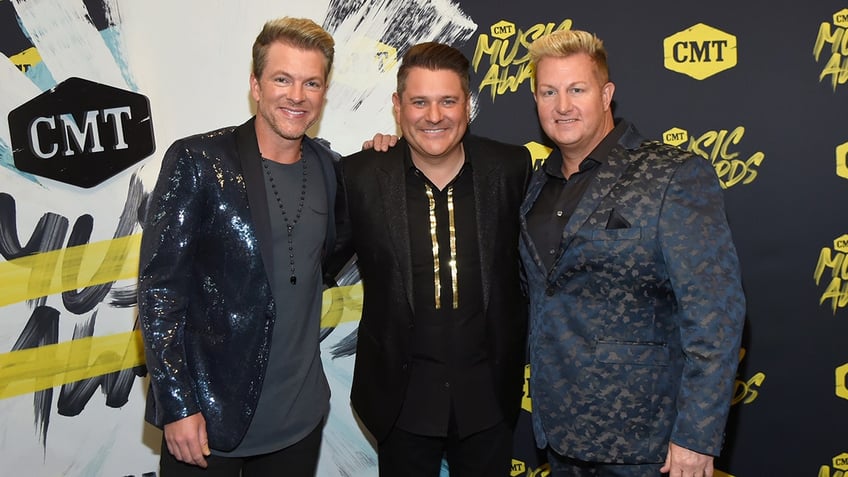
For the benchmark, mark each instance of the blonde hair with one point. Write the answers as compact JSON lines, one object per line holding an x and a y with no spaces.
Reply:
{"x":564,"y":43}
{"x":300,"y":33}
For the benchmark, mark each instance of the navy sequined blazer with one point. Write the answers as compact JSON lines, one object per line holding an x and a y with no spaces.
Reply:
{"x":635,"y":329}
{"x":204,"y":299}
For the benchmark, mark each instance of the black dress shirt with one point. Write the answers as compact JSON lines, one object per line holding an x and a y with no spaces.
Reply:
{"x":451,"y":387}
{"x":559,"y":197}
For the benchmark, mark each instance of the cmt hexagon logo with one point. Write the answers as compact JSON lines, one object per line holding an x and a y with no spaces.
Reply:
{"x":517,"y":468}
{"x":675,"y":136}
{"x":502,"y":29}
{"x":840,"y":244}
{"x":386,"y":56}
{"x":840,"y":18}
{"x":842,"y":160}
{"x":841,"y":384}
{"x":81,"y":133}
{"x":840,"y":462}
{"x":700,"y":51}
{"x":538,"y":152}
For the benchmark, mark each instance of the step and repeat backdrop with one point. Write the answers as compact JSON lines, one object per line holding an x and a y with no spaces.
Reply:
{"x":93,"y":91}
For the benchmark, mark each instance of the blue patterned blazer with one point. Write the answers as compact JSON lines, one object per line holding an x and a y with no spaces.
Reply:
{"x":635,"y":329}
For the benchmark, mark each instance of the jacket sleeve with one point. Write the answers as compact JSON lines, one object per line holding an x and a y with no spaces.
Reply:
{"x":705,"y":275}
{"x":170,"y":231}
{"x":338,"y":260}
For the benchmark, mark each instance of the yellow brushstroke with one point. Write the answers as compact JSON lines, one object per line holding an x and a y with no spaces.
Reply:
{"x":71,"y":268}
{"x":26,"y":58}
{"x":341,"y":305}
{"x":36,"y":369}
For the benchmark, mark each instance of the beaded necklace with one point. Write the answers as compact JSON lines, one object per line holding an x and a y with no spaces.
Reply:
{"x":290,"y":224}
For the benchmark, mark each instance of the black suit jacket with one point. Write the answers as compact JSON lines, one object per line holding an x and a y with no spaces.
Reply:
{"x":372,"y":223}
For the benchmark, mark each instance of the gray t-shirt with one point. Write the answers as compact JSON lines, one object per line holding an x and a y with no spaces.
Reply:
{"x":295,"y":393}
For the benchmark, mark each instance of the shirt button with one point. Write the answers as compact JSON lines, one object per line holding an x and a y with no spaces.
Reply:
{"x":559,"y":213}
{"x":552,"y":251}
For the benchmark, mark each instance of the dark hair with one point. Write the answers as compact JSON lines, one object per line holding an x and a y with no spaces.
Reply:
{"x":434,"y":56}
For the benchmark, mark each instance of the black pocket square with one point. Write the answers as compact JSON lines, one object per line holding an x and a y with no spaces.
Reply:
{"x":616,"y":221}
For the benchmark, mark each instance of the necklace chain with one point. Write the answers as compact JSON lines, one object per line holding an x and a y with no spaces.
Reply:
{"x":290,"y":224}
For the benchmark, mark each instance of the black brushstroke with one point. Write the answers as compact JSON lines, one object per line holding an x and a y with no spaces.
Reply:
{"x":43,"y":326}
{"x":339,"y":10}
{"x":346,"y":346}
{"x":41,"y":329}
{"x":49,"y":227}
{"x":80,"y":302}
{"x":405,"y":26}
{"x":124,"y":297}
{"x":48,"y":236}
{"x":73,"y":397}
{"x":99,"y":14}
{"x":13,"y":38}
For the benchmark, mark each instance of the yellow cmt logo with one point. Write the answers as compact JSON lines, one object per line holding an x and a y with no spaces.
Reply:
{"x":700,"y":51}
{"x":842,"y":160}
{"x":539,"y":152}
{"x":840,"y":244}
{"x":518,"y":468}
{"x":675,"y":136}
{"x":502,"y":30}
{"x":386,"y":56}
{"x":840,"y":462}
{"x":842,"y":391}
{"x":840,"y":18}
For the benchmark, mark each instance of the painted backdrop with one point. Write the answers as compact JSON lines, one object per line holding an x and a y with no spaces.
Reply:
{"x":93,"y":91}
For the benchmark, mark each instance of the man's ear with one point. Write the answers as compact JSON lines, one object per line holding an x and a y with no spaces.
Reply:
{"x":396,"y":106}
{"x":254,"y":87}
{"x":607,"y":92}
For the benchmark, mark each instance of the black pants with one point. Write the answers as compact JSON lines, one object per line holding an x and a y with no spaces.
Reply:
{"x":487,"y":453}
{"x":297,"y":460}
{"x":562,"y":466}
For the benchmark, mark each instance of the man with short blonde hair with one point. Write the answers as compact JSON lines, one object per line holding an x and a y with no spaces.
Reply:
{"x":635,"y":290}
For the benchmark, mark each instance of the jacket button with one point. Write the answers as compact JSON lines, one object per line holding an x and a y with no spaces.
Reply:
{"x":403,"y":367}
{"x":550,"y":291}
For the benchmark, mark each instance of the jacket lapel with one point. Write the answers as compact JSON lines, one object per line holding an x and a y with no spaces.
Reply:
{"x":537,"y":181}
{"x":391,"y":179}
{"x":254,"y":183}
{"x":486,"y":177}
{"x":607,"y":177}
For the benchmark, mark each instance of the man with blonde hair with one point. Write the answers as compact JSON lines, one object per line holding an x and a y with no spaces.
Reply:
{"x":636,"y":303}
{"x":230,"y":278}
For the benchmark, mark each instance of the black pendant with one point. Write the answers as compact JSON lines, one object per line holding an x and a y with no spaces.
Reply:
{"x":293,"y":280}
